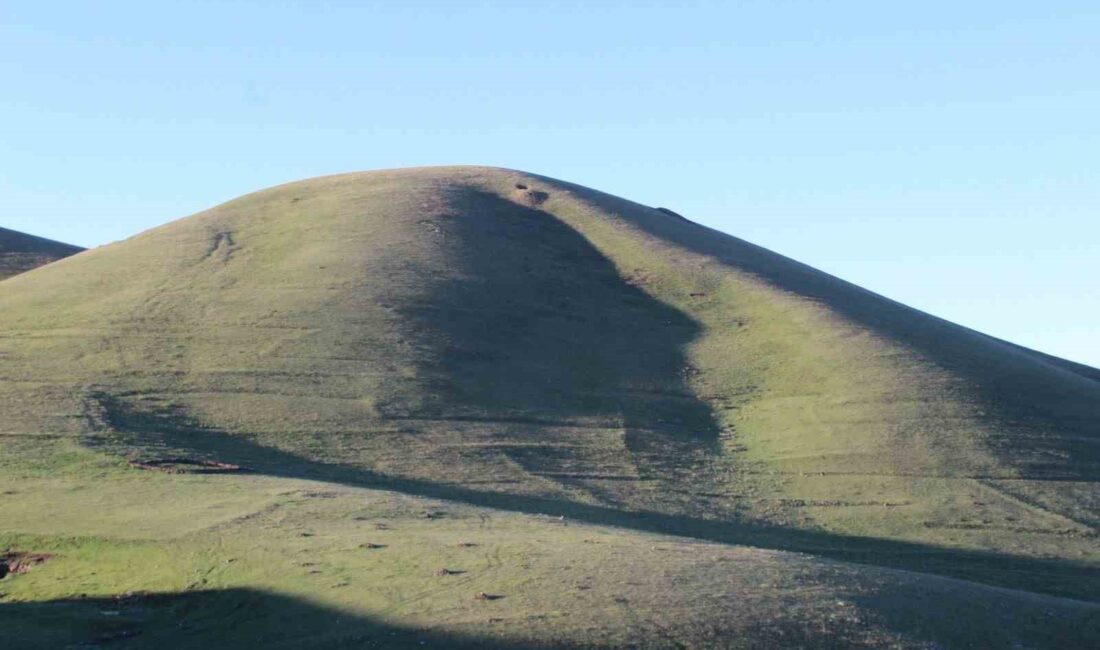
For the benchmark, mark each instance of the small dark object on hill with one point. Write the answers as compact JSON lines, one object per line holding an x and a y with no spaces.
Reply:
{"x":466,"y":545}
{"x":481,"y":595}
{"x":535,"y":197}
{"x":371,"y":545}
{"x":698,"y":294}
{"x":448,"y":572}
{"x":671,"y":213}
{"x":531,"y":196}
{"x":16,"y":562}
{"x":186,"y":466}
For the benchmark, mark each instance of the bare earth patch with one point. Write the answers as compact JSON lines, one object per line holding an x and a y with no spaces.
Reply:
{"x":20,"y":562}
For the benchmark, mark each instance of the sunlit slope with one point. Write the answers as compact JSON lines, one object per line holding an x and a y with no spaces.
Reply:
{"x":548,"y":347}
{"x":149,"y":560}
{"x":20,"y":252}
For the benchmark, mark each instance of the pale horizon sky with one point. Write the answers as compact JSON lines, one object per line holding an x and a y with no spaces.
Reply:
{"x":943,"y":154}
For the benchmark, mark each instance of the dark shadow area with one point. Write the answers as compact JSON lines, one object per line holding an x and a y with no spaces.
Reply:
{"x":1087,"y":372}
{"x":531,"y":323}
{"x":1047,"y":409}
{"x":172,"y":434}
{"x":958,"y":615}
{"x":20,"y":252}
{"x":230,"y":618}
{"x":250,"y":618}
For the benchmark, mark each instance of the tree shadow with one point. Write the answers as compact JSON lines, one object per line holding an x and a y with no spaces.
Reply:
{"x":173,"y":434}
{"x":1047,"y":409}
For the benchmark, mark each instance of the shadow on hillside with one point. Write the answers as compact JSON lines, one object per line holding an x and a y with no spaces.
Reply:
{"x":133,"y":429}
{"x":531,"y":323}
{"x":561,"y":338}
{"x":1049,"y":408}
{"x":231,"y":618}
{"x":249,"y":618}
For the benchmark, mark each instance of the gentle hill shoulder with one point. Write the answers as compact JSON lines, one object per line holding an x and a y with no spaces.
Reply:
{"x":20,"y":252}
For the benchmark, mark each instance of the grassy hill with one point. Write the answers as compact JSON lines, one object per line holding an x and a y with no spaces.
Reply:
{"x":20,"y":252}
{"x":649,"y":432}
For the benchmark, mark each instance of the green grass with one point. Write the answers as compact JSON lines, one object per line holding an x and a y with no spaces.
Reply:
{"x":830,"y":462}
{"x":256,"y":561}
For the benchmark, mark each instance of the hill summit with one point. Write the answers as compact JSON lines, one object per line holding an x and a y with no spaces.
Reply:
{"x":508,"y":341}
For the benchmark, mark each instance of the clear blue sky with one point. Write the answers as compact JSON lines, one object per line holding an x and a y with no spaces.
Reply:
{"x":945,"y":154}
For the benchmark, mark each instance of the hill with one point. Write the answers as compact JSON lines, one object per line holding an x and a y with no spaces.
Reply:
{"x":652,"y":433}
{"x":20,"y":252}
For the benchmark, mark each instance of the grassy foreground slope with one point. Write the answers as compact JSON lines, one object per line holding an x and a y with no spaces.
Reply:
{"x":508,"y":346}
{"x":149,"y":560}
{"x":20,"y":252}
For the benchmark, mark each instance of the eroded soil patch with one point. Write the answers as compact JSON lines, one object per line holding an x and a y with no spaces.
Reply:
{"x":20,"y":562}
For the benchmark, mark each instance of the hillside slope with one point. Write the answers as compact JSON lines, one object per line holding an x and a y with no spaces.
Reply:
{"x":508,"y":341}
{"x":20,"y":252}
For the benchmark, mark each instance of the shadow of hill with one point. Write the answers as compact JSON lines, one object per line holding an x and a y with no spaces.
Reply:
{"x":173,"y":435}
{"x":531,"y":323}
{"x":1047,"y":409}
{"x":230,"y":618}
{"x":250,"y":618}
